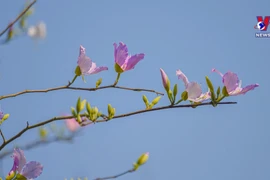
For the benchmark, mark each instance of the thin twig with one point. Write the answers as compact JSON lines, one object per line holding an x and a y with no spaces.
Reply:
{"x":77,"y":88}
{"x":2,"y":135}
{"x":18,"y":17}
{"x":37,"y":143}
{"x":116,"y":176}
{"x":103,"y":120}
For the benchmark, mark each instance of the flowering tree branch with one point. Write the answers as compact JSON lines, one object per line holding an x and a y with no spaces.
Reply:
{"x":78,"y":88}
{"x":18,"y":17}
{"x":105,"y":119}
{"x":116,"y":176}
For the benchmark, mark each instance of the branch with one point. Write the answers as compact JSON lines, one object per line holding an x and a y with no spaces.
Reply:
{"x":77,"y":88}
{"x":18,"y":17}
{"x":104,"y":119}
{"x":2,"y":135}
{"x":37,"y":143}
{"x":116,"y":176}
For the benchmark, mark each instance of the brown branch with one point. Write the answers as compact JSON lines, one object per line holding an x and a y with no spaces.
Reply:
{"x":116,"y":176}
{"x":77,"y":88}
{"x":104,"y":119}
{"x":2,"y":135}
{"x":37,"y":143}
{"x":18,"y":17}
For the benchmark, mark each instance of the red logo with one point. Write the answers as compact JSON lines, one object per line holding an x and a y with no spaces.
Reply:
{"x":265,"y":22}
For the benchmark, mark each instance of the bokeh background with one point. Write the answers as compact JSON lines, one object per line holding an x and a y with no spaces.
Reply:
{"x":206,"y":143}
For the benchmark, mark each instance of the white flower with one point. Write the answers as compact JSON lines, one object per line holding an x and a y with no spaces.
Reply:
{"x":37,"y":31}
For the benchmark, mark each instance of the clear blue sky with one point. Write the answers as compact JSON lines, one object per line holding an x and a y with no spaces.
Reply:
{"x":206,"y":143}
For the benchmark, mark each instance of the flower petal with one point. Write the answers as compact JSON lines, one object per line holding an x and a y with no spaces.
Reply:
{"x":247,"y":88}
{"x":82,"y":51}
{"x":132,"y":61}
{"x":194,"y":90}
{"x":203,"y":97}
{"x":94,"y":69}
{"x":120,"y":53}
{"x":84,"y":62}
{"x":19,"y":159}
{"x":183,"y":77}
{"x":32,"y":169}
{"x":231,"y":81}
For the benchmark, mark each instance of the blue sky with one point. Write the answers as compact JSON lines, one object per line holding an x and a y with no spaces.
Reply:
{"x":206,"y":143}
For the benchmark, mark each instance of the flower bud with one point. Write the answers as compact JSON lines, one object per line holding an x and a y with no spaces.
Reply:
{"x":165,"y":80}
{"x":88,"y":107}
{"x":5,"y":117}
{"x":145,"y":100}
{"x":225,"y":92}
{"x":143,"y":159}
{"x":73,"y":111}
{"x":43,"y":133}
{"x":175,"y":90}
{"x":211,"y":88}
{"x":80,"y":105}
{"x":156,"y":100}
{"x":79,"y":119}
{"x":98,"y":83}
{"x":184,"y":95}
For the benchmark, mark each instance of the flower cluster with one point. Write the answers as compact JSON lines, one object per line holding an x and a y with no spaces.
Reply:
{"x":193,"y":91}
{"x":123,"y":61}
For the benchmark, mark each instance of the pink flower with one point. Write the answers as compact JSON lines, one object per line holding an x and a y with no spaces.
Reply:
{"x":30,"y":170}
{"x":72,"y":124}
{"x":126,"y":62}
{"x":86,"y":65}
{"x":233,"y":84}
{"x":194,"y":89}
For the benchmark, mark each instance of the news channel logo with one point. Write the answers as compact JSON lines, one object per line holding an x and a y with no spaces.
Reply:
{"x":262,"y":26}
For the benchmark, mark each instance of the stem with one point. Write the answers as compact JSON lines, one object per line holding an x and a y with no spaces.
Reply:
{"x":220,"y":99}
{"x":117,"y":78}
{"x":178,"y":101}
{"x":73,"y":80}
